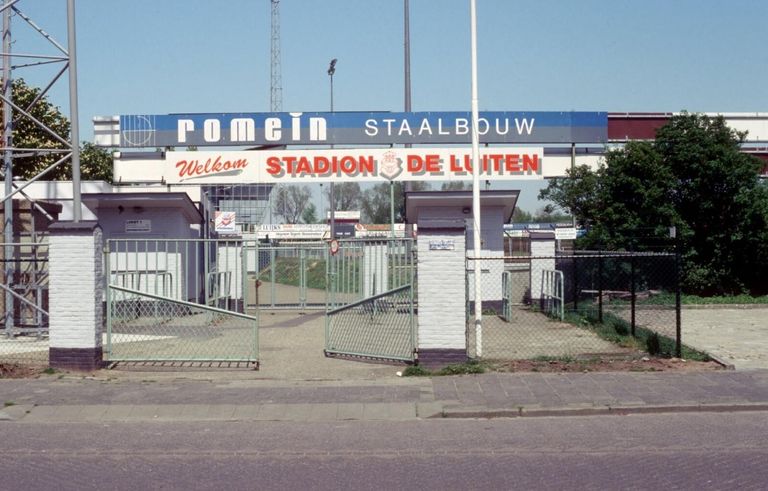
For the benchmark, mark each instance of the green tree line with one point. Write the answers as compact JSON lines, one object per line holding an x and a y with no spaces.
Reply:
{"x":693,"y":177}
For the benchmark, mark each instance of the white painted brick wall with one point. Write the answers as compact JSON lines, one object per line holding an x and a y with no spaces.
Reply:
{"x":492,"y":271}
{"x":76,"y":283}
{"x":442,"y":292}
{"x":540,"y":248}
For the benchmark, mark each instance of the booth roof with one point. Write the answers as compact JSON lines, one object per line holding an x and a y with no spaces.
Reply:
{"x":461,"y":200}
{"x":145,"y":200}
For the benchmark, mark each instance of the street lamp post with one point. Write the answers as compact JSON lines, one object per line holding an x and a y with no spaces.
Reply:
{"x":331,"y":192}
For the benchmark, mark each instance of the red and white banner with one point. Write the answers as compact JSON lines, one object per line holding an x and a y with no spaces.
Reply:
{"x":338,"y":165}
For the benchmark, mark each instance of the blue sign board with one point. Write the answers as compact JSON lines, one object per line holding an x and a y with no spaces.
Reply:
{"x":350,"y":128}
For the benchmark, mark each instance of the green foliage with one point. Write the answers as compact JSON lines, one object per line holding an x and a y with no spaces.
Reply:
{"x":694,"y":177}
{"x":309,"y":215}
{"x":456,"y":186}
{"x":468,"y":368}
{"x":375,"y":202}
{"x":653,"y":344}
{"x":347,"y":196}
{"x":416,"y":371}
{"x":28,"y":134}
{"x":669,"y":299}
{"x":95,"y":162}
{"x":547,"y":214}
{"x":287,"y":272}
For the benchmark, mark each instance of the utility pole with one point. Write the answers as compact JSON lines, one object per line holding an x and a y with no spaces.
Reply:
{"x":477,"y":243}
{"x":332,"y":191}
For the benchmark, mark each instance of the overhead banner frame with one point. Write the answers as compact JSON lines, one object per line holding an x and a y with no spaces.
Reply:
{"x":348,"y":128}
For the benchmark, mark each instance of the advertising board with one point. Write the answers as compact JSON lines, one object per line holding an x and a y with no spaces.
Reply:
{"x":348,"y":128}
{"x":339,"y":165}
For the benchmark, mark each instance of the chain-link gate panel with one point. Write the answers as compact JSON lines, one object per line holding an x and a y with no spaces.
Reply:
{"x":371,"y":299}
{"x":292,"y":277}
{"x":181,"y":300}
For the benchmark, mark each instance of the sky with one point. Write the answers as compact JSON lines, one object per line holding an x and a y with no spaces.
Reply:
{"x":166,"y":56}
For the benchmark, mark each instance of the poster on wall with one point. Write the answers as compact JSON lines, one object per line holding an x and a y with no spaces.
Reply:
{"x":225,"y":223}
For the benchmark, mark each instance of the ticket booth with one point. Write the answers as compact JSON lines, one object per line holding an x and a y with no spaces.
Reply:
{"x":444,"y":221}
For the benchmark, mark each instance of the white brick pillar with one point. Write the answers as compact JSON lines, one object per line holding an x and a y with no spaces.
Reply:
{"x":442,"y":296}
{"x":542,"y":257}
{"x":76,"y":283}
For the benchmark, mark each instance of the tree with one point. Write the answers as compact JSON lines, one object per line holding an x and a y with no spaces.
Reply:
{"x":347,"y":196}
{"x":455,"y":186}
{"x":28,"y":134}
{"x":291,"y":201}
{"x":95,"y":163}
{"x":375,"y":205}
{"x":693,"y":177}
{"x":309,"y":215}
{"x":521,"y":216}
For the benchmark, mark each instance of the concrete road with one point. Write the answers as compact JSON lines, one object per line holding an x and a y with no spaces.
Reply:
{"x":665,"y":451}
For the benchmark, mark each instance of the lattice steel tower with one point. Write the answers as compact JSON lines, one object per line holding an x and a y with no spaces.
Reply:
{"x":276,"y":80}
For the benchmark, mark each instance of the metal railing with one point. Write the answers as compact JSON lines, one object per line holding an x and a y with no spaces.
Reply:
{"x":552,"y":293}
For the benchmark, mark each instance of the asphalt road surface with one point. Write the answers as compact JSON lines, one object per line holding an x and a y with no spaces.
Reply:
{"x":664,"y":451}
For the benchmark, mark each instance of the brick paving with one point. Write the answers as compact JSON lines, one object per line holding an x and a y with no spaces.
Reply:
{"x":220,"y":397}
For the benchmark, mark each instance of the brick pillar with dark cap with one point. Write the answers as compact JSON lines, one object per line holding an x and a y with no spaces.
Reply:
{"x":76,"y":284}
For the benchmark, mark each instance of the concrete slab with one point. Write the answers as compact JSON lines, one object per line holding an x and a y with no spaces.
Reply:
{"x":737,"y":336}
{"x":389,"y":412}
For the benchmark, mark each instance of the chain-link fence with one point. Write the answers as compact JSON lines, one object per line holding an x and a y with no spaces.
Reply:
{"x":24,"y":300}
{"x":585,"y":304}
{"x":146,"y":327}
{"x":292,"y":276}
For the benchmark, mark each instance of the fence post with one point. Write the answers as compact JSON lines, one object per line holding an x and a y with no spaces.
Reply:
{"x":575,"y":284}
{"x":678,"y":320}
{"x":600,"y":286}
{"x":633,"y":290}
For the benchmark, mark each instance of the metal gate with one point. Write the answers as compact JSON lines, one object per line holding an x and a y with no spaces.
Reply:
{"x":292,"y":276}
{"x":371,"y":300}
{"x":181,"y":300}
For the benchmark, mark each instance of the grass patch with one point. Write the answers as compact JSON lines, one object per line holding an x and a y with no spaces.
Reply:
{"x":668,"y":298}
{"x":416,"y":371}
{"x":287,"y":272}
{"x":9,"y":404}
{"x":618,"y":331}
{"x":49,"y":371}
{"x":467,"y":368}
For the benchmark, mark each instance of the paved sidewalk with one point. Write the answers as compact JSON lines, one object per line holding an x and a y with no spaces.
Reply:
{"x":224,"y":396}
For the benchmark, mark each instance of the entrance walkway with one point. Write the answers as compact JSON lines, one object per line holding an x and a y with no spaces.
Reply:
{"x":291,"y":348}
